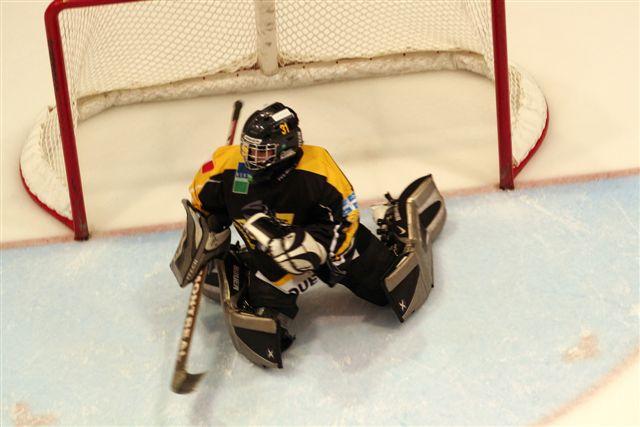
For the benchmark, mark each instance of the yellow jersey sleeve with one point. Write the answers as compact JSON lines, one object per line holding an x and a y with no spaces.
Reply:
{"x":339,"y":196}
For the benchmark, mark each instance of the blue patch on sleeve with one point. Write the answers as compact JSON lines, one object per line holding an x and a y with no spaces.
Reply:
{"x":349,"y":204}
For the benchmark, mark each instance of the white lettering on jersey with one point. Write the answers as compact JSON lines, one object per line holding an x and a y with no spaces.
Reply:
{"x":297,"y":284}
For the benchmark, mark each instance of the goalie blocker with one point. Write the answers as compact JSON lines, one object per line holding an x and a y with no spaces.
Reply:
{"x":202,"y":240}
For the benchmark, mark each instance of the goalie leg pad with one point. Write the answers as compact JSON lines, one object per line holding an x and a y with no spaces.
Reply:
{"x":211,"y":282}
{"x":417,"y":215}
{"x":416,"y":219}
{"x":211,"y":286}
{"x":255,"y":337}
{"x":201,"y":241}
{"x":259,"y":338}
{"x":240,"y":279}
{"x":409,"y":283}
{"x":422,"y":207}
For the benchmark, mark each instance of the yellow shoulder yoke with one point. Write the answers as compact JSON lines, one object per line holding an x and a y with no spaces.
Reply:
{"x":225,"y":158}
{"x":318,"y":160}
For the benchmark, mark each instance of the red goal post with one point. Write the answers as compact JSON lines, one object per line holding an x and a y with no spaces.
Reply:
{"x":106,"y":53}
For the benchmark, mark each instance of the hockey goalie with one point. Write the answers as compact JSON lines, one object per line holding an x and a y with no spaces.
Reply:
{"x":298,"y":217}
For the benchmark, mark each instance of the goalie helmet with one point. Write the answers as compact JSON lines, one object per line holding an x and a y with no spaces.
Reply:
{"x":270,"y":136}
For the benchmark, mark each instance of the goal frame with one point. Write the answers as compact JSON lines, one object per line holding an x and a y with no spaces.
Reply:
{"x":507,"y":170}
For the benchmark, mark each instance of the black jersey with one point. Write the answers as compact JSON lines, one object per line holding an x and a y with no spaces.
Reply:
{"x":315,"y":195}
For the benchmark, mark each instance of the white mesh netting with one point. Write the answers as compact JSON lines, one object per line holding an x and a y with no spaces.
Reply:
{"x":150,"y":50}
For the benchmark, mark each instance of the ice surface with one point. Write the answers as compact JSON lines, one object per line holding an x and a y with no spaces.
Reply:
{"x":524,"y":280}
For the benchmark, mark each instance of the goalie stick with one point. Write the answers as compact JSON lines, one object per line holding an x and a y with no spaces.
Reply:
{"x":237,"y":106}
{"x":184,"y":382}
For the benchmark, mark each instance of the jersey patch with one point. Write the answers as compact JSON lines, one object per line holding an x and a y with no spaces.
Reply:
{"x":242,"y":179}
{"x":349,"y":204}
{"x":207,"y":167}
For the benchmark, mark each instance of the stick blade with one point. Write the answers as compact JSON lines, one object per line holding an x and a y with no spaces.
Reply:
{"x":184,"y":382}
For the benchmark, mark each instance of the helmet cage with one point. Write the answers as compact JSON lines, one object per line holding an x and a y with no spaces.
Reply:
{"x":257,"y":153}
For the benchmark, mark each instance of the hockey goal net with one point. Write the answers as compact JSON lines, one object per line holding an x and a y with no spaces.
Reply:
{"x":106,"y":53}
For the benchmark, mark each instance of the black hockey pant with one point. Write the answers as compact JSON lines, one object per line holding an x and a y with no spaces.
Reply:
{"x":367,"y":270}
{"x":364,"y":276}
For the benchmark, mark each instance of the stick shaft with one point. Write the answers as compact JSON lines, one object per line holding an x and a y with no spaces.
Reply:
{"x":189,"y":323}
{"x":184,"y":382}
{"x":237,"y":106}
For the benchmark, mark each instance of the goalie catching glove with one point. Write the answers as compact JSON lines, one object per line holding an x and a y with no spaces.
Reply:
{"x":292,"y":248}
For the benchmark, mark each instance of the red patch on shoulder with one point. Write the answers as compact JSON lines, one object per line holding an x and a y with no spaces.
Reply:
{"x":207,"y":167}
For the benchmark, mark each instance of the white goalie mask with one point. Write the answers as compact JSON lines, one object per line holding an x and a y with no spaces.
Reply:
{"x":256,"y":153}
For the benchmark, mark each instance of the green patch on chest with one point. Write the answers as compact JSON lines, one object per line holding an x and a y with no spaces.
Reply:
{"x":242,"y":180}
